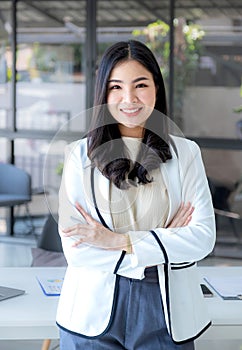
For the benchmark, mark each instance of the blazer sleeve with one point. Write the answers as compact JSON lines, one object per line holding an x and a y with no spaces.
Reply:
{"x":183,"y":244}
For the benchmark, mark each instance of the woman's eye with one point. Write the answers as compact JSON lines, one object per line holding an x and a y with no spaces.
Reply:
{"x":114,"y":87}
{"x":141,"y":85}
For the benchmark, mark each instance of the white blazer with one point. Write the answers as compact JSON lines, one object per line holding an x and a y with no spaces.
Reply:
{"x":88,"y":295}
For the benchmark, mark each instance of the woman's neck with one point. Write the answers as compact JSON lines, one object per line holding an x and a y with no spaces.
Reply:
{"x":137,"y":131}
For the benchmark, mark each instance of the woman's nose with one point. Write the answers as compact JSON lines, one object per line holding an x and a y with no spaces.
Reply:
{"x":129,"y":95}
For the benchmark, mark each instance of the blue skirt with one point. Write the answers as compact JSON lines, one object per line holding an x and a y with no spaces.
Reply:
{"x":138,"y":322}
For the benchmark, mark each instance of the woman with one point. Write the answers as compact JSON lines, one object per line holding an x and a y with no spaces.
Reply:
{"x":135,"y":215}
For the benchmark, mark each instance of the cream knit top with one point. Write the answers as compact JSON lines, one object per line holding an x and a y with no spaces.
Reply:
{"x":141,"y":207}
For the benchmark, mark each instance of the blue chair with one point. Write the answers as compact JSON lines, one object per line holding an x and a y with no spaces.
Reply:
{"x":49,"y":250}
{"x":15,"y":190}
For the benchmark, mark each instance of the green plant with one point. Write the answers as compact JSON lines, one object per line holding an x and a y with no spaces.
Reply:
{"x":238,"y":109}
{"x":43,"y":58}
{"x":59,"y":168}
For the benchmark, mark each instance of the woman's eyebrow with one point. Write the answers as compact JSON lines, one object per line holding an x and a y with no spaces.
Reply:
{"x":133,"y":81}
{"x":115,"y":81}
{"x":138,"y":79}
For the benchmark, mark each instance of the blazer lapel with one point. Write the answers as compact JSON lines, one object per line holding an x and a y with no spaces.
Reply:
{"x":171,"y":175}
{"x":101,"y":190}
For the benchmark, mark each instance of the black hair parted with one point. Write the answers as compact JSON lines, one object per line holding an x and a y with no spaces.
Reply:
{"x":105,"y":147}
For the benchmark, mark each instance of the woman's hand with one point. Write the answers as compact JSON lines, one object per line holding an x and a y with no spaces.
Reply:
{"x":183,"y":216}
{"x":94,"y":233}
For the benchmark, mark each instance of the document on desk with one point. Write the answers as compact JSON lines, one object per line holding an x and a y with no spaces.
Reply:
{"x":50,"y":285}
{"x":228,"y":287}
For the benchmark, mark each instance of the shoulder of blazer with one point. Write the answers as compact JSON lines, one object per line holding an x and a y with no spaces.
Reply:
{"x":79,"y":150}
{"x":183,"y":147}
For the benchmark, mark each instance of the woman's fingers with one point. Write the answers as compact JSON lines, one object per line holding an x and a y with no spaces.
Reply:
{"x":77,"y":232}
{"x":93,"y":233}
{"x":183,"y":216}
{"x":74,"y":230}
{"x":86,"y":216}
{"x":186,"y":214}
{"x":83,"y":232}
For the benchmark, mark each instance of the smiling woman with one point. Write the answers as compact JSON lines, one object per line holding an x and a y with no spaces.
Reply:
{"x":135,"y":214}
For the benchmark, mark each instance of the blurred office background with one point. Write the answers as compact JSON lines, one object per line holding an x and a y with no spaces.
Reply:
{"x":49,"y":52}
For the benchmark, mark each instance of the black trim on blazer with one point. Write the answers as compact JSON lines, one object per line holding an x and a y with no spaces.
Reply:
{"x":103,"y":221}
{"x":166,"y":276}
{"x":161,"y":246}
{"x":95,"y":201}
{"x":195,"y":336}
{"x":115,"y":298}
{"x":168,"y":294}
{"x":119,"y":261}
{"x":182,"y":263}
{"x":182,"y":266}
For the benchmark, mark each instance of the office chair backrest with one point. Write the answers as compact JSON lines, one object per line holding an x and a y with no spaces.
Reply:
{"x":49,"y":249}
{"x":50,"y":239}
{"x":220,"y":194}
{"x":14,"y":180}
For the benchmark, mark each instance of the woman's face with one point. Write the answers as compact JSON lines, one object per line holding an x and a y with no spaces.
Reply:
{"x":131,"y":96}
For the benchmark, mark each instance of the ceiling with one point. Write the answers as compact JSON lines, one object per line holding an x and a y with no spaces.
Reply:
{"x":70,"y":16}
{"x":32,"y":13}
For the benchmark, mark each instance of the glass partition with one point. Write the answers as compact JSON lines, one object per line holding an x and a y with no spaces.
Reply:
{"x":50,"y":68}
{"x":5,"y":65}
{"x":224,"y":172}
{"x":50,"y":85}
{"x":4,"y":147}
{"x":5,"y":90}
{"x":211,"y":98}
{"x":209,"y":104}
{"x":44,"y":161}
{"x":50,"y":91}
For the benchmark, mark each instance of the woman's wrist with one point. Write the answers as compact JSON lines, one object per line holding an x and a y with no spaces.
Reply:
{"x":124,"y":243}
{"x":128,"y":244}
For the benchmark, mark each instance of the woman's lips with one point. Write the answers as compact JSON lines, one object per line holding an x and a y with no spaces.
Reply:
{"x":131,"y":112}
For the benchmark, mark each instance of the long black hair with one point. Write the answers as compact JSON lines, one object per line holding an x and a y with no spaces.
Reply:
{"x":106,"y":148}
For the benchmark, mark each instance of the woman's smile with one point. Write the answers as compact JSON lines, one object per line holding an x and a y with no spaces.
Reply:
{"x":131,"y":111}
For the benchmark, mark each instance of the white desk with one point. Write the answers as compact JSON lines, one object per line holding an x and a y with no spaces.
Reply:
{"x":32,"y":316}
{"x":226,"y":315}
